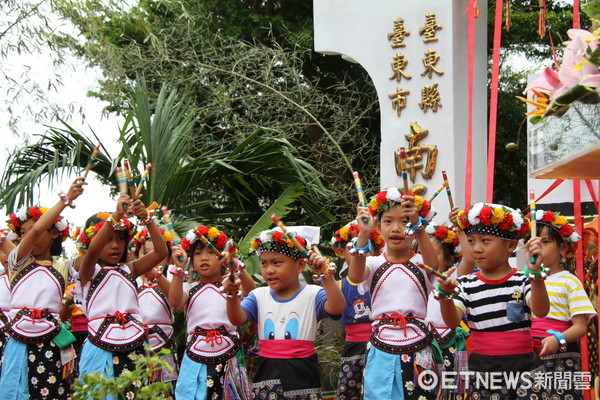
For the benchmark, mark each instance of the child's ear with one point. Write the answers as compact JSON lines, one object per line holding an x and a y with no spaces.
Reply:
{"x":300,"y":265}
{"x":339,"y":251}
{"x":512,"y":245}
{"x":54,"y":233}
{"x":563,"y":247}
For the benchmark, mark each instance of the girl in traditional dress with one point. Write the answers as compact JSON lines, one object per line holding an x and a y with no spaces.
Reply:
{"x":356,"y":318}
{"x":570,"y":307}
{"x":110,"y":298}
{"x":32,"y":360}
{"x":7,"y":244}
{"x":287,"y":313}
{"x":399,"y":290}
{"x":212,"y":340}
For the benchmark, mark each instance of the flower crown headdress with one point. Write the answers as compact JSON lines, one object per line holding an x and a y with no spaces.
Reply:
{"x":34,"y":213}
{"x":493,"y":219}
{"x":8,"y":234}
{"x":346,"y":233}
{"x":275,"y":240}
{"x":386,"y":199}
{"x":446,"y":235}
{"x":83,"y":237}
{"x":140,"y":238}
{"x":212,"y":234}
{"x":560,"y":224}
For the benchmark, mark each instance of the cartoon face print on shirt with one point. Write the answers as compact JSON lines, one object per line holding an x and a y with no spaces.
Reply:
{"x":361,"y":309}
{"x":287,"y":327}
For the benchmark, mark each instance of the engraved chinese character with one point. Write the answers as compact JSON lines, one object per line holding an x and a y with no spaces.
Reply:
{"x":414,"y":152}
{"x":430,"y":98}
{"x":398,"y":67}
{"x":430,"y":60}
{"x":397,"y":37}
{"x":430,"y":28}
{"x":399,"y":100}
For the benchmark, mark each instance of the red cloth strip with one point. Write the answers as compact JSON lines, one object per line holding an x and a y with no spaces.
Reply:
{"x":539,"y":326}
{"x":286,"y":348}
{"x":470,"y":64}
{"x":358,"y":332}
{"x":501,"y":343}
{"x":554,"y":185}
{"x":576,"y":22}
{"x":489,"y":194}
{"x":588,"y":183}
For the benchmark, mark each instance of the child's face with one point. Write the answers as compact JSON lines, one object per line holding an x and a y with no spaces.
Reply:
{"x":342,"y":252}
{"x":206,"y":263}
{"x":280,"y":272}
{"x":113,"y":250}
{"x":551,"y":250}
{"x":392,"y":226}
{"x":490,"y":252}
{"x":44,"y":240}
{"x":443,"y":262}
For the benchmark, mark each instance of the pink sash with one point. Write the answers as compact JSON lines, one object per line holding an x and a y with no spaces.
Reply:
{"x":286,"y":348}
{"x":539,"y":326}
{"x":501,"y":343}
{"x":358,"y":332}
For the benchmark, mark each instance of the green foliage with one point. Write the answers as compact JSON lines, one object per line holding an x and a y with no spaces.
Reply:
{"x":96,"y":386}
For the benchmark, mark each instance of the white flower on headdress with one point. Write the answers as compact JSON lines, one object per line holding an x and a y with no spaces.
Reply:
{"x":61,"y":225}
{"x":474,"y":214}
{"x":575,"y":237}
{"x":11,"y":236}
{"x":265,"y":236}
{"x":22,"y":214}
{"x":190,"y":235}
{"x":430,"y":214}
{"x":539,"y":214}
{"x":517,"y":219}
{"x":430,"y":229}
{"x":458,"y":249}
{"x":394,"y":195}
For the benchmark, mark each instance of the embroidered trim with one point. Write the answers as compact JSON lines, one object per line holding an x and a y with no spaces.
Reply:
{"x":403,"y":349}
{"x":222,"y":331}
{"x":28,"y":268}
{"x":110,"y":322}
{"x":442,"y":341}
{"x":169,"y":342}
{"x":26,"y":312}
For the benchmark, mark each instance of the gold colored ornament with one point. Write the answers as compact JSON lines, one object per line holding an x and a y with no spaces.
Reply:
{"x":430,"y":28}
{"x":415,"y":154}
{"x":398,"y":67}
{"x":399,"y":100}
{"x":429,"y":61}
{"x":398,"y":35}
{"x":430,"y":98}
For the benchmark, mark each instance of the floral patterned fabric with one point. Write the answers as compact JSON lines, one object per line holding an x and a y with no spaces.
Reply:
{"x":45,"y":372}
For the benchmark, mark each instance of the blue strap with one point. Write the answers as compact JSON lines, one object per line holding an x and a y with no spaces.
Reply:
{"x":191,"y":384}
{"x":14,"y":384}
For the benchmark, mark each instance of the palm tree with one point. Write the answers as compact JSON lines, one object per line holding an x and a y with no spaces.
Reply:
{"x":231,"y":185}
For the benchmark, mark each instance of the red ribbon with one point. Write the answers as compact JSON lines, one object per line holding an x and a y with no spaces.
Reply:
{"x":121,"y":317}
{"x":396,"y":320}
{"x":36,"y":313}
{"x":213,"y":337}
{"x":470,"y":65}
{"x":576,"y":24}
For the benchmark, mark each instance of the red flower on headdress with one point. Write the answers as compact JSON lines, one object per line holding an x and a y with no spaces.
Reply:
{"x":485,"y":215}
{"x":202,"y":230}
{"x":506,"y":223}
{"x":441,"y":232}
{"x":565,"y":230}
{"x":301,"y":241}
{"x":14,"y":220}
{"x":278,"y":237}
{"x":185,"y":244}
{"x":381,"y":197}
{"x":425,"y":209}
{"x":34,"y":213}
{"x":548,"y":217}
{"x":526,"y":227}
{"x":221,"y":240}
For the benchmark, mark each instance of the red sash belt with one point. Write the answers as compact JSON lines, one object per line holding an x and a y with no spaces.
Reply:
{"x":501,"y":343}
{"x":286,"y":348}
{"x":539,"y":326}
{"x":358,"y":332}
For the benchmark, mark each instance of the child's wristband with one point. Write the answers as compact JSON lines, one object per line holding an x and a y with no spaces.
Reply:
{"x":562,"y":342}
{"x":65,"y":200}
{"x":537,"y":275}
{"x":116,"y":225}
{"x":361,"y":250}
{"x":412,"y":230}
{"x":175,"y":270}
{"x":438,"y":293}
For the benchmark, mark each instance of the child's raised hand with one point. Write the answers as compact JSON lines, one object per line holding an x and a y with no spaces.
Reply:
{"x":123,"y":203}
{"x":364,"y":219}
{"x":230,"y":286}
{"x":453,"y":215}
{"x":139,"y":209}
{"x":448,"y":285}
{"x":178,"y":256}
{"x":409,"y":208}
{"x":533,"y":247}
{"x":228,"y":261}
{"x":317,"y":262}
{"x":76,"y":188}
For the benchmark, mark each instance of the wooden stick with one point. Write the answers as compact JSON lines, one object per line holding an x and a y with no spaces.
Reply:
{"x":437,"y":191}
{"x":167,"y":218}
{"x":532,"y":258}
{"x":130,"y":183}
{"x":121,"y":180}
{"x":143,"y":180}
{"x":359,"y":191}
{"x":404,"y":170}
{"x":448,"y":191}
{"x":92,"y":160}
{"x":434,"y":271}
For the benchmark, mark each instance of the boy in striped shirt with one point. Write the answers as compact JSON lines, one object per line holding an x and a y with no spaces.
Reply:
{"x":497,"y":300}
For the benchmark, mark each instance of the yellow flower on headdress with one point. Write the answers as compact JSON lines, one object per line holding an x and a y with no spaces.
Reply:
{"x":212,"y":233}
{"x":255,"y":243}
{"x":43,"y":209}
{"x":450,"y":237}
{"x":167,"y":236}
{"x":497,"y":216}
{"x":560,"y":220}
{"x":419,"y":202}
{"x":459,"y":219}
{"x":289,"y":241}
{"x":375,"y":205}
{"x":344,"y":233}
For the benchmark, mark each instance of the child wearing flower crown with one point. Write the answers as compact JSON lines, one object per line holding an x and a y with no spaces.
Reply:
{"x":498,"y":299}
{"x":399,"y":287}
{"x":570,"y":307}
{"x":109,"y":290}
{"x":449,"y":344}
{"x":32,"y":360}
{"x":155,"y":309}
{"x":356,"y":317}
{"x":287,"y":313}
{"x":212,"y":340}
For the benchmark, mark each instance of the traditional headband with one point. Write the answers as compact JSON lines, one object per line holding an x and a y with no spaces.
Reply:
{"x":34,"y":213}
{"x":560,"y":224}
{"x":346,"y":233}
{"x":386,"y":199}
{"x":446,"y":235}
{"x":275,"y":240}
{"x":493,"y":219}
{"x":212,"y":234}
{"x":83,"y":237}
{"x":140,"y":238}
